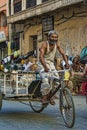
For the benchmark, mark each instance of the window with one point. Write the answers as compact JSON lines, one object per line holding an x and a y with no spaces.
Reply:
{"x":9,"y":7}
{"x":44,"y":1}
{"x":17,"y":5}
{"x":48,"y":24}
{"x":30,"y":3}
{"x":3,"y":21}
{"x":34,"y":42}
{"x":15,"y":45}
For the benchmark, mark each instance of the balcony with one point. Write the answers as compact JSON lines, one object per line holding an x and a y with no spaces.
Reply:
{"x":40,"y":9}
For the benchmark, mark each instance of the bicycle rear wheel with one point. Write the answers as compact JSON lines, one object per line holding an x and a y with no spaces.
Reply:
{"x":36,"y":106}
{"x":67,"y":108}
{"x":34,"y":88}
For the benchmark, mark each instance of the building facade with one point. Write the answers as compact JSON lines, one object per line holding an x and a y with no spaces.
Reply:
{"x":3,"y":28}
{"x":30,"y":20}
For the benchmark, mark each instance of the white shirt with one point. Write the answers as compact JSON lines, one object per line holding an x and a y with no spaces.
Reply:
{"x":63,"y":63}
{"x":27,"y":66}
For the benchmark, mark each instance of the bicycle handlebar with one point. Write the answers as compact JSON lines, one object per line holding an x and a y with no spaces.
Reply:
{"x":38,"y":72}
{"x":55,"y":71}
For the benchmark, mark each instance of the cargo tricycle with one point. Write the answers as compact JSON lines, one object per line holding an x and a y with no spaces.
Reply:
{"x":25,"y":87}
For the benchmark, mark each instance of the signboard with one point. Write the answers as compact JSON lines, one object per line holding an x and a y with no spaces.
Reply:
{"x":2,"y":36}
{"x":48,"y":23}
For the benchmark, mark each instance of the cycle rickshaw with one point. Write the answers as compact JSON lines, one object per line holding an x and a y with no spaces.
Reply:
{"x":31,"y":92}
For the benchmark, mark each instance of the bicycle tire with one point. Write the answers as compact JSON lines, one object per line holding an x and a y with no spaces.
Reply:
{"x":36,"y":106}
{"x":67,"y":107}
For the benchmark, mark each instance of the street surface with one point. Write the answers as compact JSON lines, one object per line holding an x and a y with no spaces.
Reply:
{"x":17,"y":116}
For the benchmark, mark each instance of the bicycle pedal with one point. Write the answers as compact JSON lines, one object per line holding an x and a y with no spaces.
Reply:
{"x":52,"y":102}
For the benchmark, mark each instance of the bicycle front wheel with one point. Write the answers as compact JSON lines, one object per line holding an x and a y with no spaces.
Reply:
{"x":67,"y":108}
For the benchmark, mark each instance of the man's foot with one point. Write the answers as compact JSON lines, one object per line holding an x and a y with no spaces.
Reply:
{"x":74,"y":93}
{"x":52,"y":102}
{"x":45,"y":100}
{"x":55,"y":97}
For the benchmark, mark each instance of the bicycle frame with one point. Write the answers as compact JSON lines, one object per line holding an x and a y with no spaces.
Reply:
{"x":59,"y":81}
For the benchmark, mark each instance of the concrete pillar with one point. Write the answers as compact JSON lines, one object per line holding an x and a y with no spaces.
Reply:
{"x":10,"y":32}
{"x":7,"y":7}
{"x":23,"y":4}
{"x":12,"y":7}
{"x":21,"y":43}
{"x":38,"y":2}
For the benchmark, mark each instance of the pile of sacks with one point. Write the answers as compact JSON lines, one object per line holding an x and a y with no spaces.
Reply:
{"x":26,"y":79}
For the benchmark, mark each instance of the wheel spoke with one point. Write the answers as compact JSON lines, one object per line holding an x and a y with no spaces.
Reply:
{"x":36,"y":106}
{"x":67,"y":107}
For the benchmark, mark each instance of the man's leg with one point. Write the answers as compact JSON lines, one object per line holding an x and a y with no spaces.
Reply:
{"x":45,"y":87}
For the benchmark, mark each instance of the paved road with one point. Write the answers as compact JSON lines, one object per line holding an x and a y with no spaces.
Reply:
{"x":16,"y":116}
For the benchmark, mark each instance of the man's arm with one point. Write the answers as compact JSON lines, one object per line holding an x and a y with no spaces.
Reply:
{"x":62,"y":53}
{"x":41,"y":56}
{"x":84,"y":73}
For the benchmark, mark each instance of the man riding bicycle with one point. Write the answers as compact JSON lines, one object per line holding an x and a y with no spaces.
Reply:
{"x":47,"y":56}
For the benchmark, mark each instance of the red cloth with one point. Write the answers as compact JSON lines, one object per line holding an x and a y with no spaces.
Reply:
{"x":84,"y":88}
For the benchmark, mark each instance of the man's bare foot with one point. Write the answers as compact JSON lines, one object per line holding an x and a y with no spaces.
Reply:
{"x":44,"y":99}
{"x":52,"y":102}
{"x":55,"y":97}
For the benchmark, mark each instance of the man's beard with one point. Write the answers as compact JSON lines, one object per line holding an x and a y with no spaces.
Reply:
{"x":52,"y":41}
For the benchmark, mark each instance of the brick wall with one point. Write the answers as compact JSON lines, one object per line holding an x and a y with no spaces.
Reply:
{"x":72,"y":32}
{"x":3,"y":8}
{"x":3,"y":5}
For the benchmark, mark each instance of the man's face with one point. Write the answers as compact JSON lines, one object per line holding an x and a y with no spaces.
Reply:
{"x":53,"y":39}
{"x":26,"y":61}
